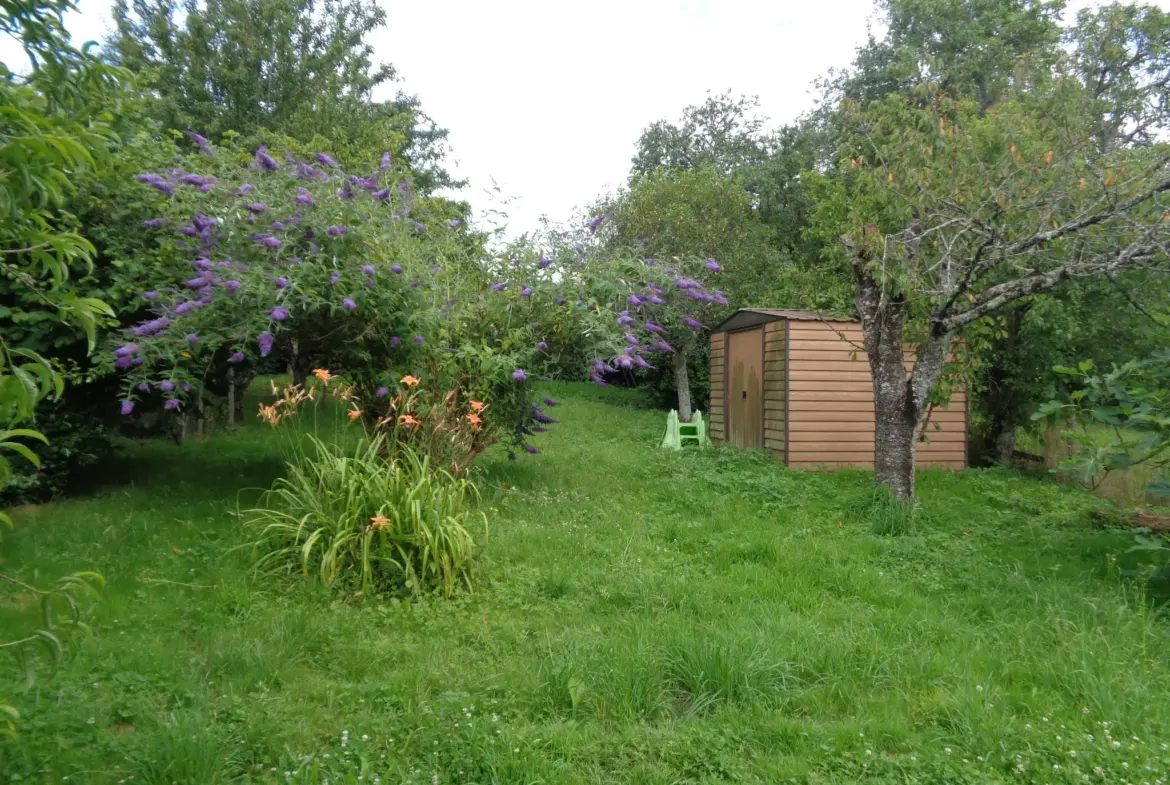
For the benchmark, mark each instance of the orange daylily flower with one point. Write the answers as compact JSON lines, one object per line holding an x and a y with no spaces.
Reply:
{"x":323,"y":375}
{"x":410,"y":381}
{"x":474,"y":419}
{"x":407,"y":419}
{"x":380,"y":523}
{"x":354,"y":414}
{"x":477,"y":406}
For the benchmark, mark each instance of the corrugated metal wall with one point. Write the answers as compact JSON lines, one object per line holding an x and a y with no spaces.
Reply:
{"x":775,"y":394}
{"x":831,"y":416}
{"x":717,"y":416}
{"x":830,"y":409}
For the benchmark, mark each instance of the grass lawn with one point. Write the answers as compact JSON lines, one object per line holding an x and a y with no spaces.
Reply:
{"x":642,"y":617}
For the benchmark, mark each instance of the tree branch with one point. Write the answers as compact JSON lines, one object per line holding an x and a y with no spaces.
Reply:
{"x":997,"y":296}
{"x":1043,"y":238}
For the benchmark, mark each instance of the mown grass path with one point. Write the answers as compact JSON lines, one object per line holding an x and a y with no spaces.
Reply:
{"x":642,"y":617}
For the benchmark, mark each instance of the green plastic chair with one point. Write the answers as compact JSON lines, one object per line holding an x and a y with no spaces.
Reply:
{"x":679,"y":432}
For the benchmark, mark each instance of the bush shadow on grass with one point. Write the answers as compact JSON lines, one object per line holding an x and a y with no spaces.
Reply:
{"x":194,"y":470}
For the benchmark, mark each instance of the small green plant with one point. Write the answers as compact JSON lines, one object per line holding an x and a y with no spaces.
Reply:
{"x":887,"y":515}
{"x":358,"y":519}
{"x":42,"y":646}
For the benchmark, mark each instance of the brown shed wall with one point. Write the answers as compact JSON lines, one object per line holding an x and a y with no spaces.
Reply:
{"x":775,"y":394}
{"x":830,"y":410}
{"x":717,"y":416}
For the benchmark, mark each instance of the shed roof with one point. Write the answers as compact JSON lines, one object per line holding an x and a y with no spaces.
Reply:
{"x":750,"y":317}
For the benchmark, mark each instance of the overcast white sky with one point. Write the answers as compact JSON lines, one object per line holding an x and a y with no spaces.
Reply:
{"x":547,"y":97}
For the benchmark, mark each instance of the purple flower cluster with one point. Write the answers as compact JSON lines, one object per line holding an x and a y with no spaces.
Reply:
{"x":263,"y":160}
{"x":157,"y":182}
{"x":152,"y":327}
{"x":202,"y":142}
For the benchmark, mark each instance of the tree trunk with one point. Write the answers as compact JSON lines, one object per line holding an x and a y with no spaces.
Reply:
{"x":201,"y":414}
{"x":901,"y":400}
{"x":298,"y":367}
{"x":231,"y":399}
{"x":896,"y":426}
{"x":682,"y":383}
{"x":1005,"y":443}
{"x":238,"y":417}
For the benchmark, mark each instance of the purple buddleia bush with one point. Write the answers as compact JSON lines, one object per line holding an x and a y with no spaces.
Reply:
{"x":609,"y":312}
{"x":288,"y":249}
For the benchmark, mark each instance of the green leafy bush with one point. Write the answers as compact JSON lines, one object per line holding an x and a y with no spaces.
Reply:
{"x":77,"y":441}
{"x":1119,"y":420}
{"x":358,"y":520}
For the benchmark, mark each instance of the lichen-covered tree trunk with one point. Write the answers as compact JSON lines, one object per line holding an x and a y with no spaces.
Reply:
{"x":682,"y":383}
{"x":901,"y":399}
{"x":896,"y":423}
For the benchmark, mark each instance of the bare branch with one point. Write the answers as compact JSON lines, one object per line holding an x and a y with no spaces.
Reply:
{"x":997,"y":296}
{"x":1043,"y":238}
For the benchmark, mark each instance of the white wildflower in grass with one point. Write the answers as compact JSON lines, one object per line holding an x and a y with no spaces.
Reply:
{"x":947,"y":750}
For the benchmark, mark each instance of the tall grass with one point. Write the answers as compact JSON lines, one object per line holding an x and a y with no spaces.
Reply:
{"x":356,"y":518}
{"x":653,"y":617}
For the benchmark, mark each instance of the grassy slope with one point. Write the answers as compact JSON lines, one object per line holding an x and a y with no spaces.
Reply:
{"x":646,"y":617}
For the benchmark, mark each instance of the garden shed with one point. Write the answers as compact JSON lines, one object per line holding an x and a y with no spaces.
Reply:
{"x":798,"y":384}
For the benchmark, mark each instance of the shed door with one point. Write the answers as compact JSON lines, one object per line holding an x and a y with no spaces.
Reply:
{"x":745,"y":394}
